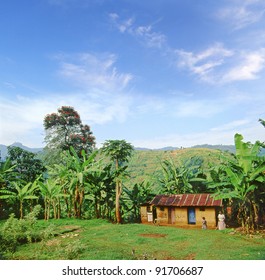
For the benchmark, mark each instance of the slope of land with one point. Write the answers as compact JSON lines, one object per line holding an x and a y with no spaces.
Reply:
{"x":146,"y":165}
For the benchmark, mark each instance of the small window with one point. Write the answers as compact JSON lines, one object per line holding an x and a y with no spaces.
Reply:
{"x":202,"y":208}
{"x":162,"y":208}
{"x":148,"y":209}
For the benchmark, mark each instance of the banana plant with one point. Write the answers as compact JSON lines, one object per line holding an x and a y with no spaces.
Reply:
{"x":78,"y":172}
{"x":187,"y":178}
{"x":6,"y":169}
{"x":51,"y":192}
{"x":20,"y":193}
{"x":59,"y":173}
{"x":245,"y":180}
{"x":139,"y":194}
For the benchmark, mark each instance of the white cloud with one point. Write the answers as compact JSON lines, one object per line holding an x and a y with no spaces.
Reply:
{"x":218,"y":65}
{"x":93,"y":71}
{"x":122,"y":25}
{"x":251,"y":64}
{"x":21,"y":120}
{"x":144,"y":33}
{"x":205,"y":62}
{"x":231,"y":125}
{"x":242,"y":13}
{"x":203,"y":108}
{"x":100,"y":99}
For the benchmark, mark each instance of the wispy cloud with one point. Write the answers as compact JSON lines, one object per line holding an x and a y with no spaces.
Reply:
{"x":216,"y":64}
{"x":97,"y":92}
{"x":144,"y":33}
{"x":242,"y":13}
{"x":231,"y":125}
{"x":205,"y":62}
{"x":249,"y":67}
{"x":102,"y":85}
{"x":122,"y":25}
{"x":203,"y":108}
{"x":219,"y":65}
{"x":21,"y":120}
{"x":93,"y":71}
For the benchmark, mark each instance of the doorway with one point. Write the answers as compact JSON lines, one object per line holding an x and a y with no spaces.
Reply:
{"x":191,"y":216}
{"x":171,"y":215}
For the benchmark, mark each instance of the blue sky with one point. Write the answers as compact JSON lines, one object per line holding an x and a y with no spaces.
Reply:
{"x":155,"y":73}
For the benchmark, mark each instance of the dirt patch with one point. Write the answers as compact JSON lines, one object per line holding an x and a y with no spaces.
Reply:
{"x":190,"y":256}
{"x":153,"y":235}
{"x":69,"y":228}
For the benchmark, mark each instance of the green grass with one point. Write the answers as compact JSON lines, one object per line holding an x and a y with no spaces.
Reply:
{"x":101,"y":240}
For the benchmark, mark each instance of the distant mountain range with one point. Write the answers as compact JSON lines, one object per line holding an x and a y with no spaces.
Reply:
{"x":228,"y":148}
{"x":3,"y":149}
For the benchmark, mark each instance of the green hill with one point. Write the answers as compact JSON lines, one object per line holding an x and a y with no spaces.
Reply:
{"x":146,"y":164}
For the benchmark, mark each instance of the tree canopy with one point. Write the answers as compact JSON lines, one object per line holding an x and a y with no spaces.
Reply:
{"x":65,"y":129}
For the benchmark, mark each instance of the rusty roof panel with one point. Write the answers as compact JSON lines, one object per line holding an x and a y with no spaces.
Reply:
{"x":186,"y":200}
{"x":171,"y":199}
{"x":217,"y":202}
{"x":163,"y":200}
{"x":177,"y":200}
{"x":156,"y":199}
{"x":203,"y":200}
{"x":196,"y":199}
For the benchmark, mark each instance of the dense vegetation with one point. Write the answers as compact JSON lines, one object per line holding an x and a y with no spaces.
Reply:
{"x":74,"y":180}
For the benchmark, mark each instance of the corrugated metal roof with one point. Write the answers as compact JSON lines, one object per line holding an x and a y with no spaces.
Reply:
{"x":178,"y":200}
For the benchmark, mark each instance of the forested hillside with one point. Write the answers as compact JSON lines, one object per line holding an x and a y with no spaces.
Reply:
{"x":146,"y":164}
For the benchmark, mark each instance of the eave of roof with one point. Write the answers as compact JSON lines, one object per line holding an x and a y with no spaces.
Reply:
{"x":180,"y":200}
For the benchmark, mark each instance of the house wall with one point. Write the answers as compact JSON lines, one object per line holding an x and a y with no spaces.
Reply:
{"x":209,"y":214}
{"x":179,"y":216}
{"x":146,"y":216}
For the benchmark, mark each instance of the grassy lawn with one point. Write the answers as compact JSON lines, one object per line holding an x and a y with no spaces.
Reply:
{"x":101,"y":240}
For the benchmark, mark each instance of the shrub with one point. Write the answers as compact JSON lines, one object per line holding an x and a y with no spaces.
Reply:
{"x":18,"y":231}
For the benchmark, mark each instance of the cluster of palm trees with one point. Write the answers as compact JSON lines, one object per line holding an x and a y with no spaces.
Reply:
{"x":78,"y":186}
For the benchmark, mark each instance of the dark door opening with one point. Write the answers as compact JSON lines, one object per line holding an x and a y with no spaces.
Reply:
{"x":191,"y":215}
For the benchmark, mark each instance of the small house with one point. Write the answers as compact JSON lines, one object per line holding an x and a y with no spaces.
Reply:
{"x":181,"y":210}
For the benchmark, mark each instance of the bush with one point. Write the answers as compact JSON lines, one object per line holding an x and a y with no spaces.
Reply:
{"x":16,"y":232}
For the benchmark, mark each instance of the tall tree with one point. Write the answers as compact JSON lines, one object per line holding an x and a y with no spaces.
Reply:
{"x":119,"y":152}
{"x":27,"y":166}
{"x":65,"y":129}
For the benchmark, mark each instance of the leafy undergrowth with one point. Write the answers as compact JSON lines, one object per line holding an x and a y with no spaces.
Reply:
{"x":101,"y":240}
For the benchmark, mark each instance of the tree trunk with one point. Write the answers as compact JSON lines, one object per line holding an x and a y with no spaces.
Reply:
{"x":45,"y":209}
{"x":54,"y":209}
{"x":59,"y":209}
{"x":48,"y":211}
{"x":21,"y":210}
{"x":118,"y":194}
